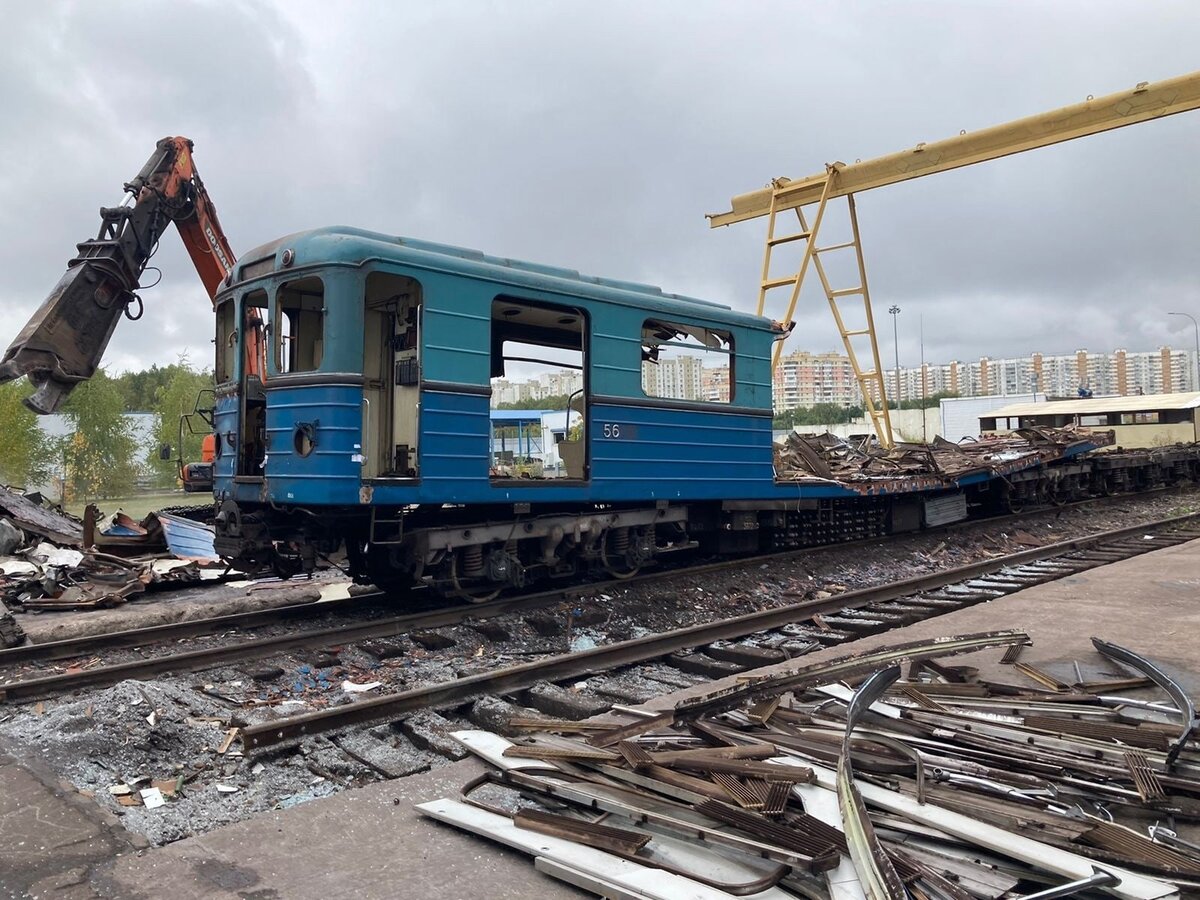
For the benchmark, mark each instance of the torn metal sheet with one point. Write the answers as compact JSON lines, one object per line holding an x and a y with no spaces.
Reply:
{"x":28,"y":513}
{"x":1034,"y":853}
{"x":603,"y":867}
{"x":188,"y":539}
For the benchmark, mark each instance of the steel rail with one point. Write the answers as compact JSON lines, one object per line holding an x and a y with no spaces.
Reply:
{"x":875,"y":870}
{"x":34,"y":688}
{"x":391,"y":706}
{"x":173,"y":631}
{"x":1173,"y":689}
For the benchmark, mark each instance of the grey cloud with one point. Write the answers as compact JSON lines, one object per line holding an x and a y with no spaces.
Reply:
{"x":597,"y":136}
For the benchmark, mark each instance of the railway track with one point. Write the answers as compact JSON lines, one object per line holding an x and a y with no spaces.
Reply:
{"x":381,"y":628}
{"x":832,"y":620}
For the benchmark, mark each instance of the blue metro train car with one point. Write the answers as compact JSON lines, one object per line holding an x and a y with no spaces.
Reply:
{"x":354,"y":376}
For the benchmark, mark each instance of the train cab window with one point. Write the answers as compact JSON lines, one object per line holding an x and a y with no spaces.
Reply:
{"x":299,"y":326}
{"x":686,"y":362}
{"x":226,"y":341}
{"x":539,"y":398}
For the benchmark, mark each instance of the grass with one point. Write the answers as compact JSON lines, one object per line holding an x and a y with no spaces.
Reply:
{"x":139,"y":505}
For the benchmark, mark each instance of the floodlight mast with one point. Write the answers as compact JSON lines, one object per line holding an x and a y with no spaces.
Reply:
{"x":1144,"y":103}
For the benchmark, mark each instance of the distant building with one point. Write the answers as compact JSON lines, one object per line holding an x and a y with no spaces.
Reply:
{"x":714,"y":384}
{"x":681,"y":378}
{"x":806,"y":379}
{"x":561,"y":383}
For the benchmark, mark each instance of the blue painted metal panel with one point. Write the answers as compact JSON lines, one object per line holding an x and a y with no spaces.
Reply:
{"x":454,"y":448}
{"x":225,"y":422}
{"x":187,"y":539}
{"x":679,"y":454}
{"x":330,"y":474}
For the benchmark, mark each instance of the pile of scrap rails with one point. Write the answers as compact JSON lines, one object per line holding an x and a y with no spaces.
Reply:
{"x":841,"y":779}
{"x":50,"y":560}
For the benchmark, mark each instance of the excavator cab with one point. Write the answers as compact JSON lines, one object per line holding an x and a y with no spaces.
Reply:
{"x":196,"y":477}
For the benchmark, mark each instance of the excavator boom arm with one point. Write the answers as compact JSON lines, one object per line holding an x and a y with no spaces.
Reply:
{"x":64,"y":341}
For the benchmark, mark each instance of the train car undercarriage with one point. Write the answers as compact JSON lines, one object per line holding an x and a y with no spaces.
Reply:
{"x":474,"y":553}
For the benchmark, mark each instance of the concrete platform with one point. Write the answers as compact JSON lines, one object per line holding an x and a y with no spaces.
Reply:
{"x":51,"y":837}
{"x":369,"y":843}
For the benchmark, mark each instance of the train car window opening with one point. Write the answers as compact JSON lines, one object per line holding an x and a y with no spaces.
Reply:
{"x":226,"y":341}
{"x":299,"y":326}
{"x":539,"y":398}
{"x":251,"y":338}
{"x":687,"y":362}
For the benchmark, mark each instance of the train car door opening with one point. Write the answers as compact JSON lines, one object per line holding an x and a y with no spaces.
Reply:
{"x":252,"y":442}
{"x":392,"y":376}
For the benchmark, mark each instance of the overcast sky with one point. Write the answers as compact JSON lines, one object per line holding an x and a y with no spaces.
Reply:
{"x":596,"y":136}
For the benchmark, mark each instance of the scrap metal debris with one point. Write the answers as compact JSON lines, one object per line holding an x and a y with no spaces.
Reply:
{"x":30,"y":513}
{"x":51,"y":560}
{"x":864,"y":464}
{"x":943,"y":785}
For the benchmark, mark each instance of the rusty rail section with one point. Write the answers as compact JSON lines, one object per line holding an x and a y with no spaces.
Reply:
{"x":391,"y":706}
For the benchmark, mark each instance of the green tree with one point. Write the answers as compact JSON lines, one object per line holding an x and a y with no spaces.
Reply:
{"x":175,"y":398}
{"x":927,"y":402}
{"x":98,"y":453}
{"x":140,"y":390}
{"x":25,"y":452}
{"x":821,"y":414}
{"x":557,"y":401}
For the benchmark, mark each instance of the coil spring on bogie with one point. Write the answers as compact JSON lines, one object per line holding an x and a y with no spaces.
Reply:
{"x":472,"y":561}
{"x":618,"y":541}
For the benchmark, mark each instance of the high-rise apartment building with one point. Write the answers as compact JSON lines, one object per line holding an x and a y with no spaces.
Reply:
{"x":804,"y":379}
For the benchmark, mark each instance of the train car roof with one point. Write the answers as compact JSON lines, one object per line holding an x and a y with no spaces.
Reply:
{"x":356,"y":246}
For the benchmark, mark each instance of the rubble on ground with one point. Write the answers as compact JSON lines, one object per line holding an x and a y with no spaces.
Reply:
{"x":52,"y":560}
{"x":843,"y":779}
{"x":865,"y":463}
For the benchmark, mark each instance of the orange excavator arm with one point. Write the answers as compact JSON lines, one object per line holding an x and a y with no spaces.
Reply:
{"x":199,"y":227}
{"x":64,"y":341}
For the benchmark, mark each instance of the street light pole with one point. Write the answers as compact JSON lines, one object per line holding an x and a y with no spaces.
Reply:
{"x":1196,"y":328}
{"x":895,"y":311}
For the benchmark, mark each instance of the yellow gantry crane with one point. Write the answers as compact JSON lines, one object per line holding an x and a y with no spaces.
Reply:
{"x":810,"y":197}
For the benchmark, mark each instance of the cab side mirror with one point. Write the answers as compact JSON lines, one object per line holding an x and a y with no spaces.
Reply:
{"x":164,"y":451}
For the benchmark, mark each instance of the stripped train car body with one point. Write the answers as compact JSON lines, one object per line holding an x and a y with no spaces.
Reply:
{"x":371,"y":423}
